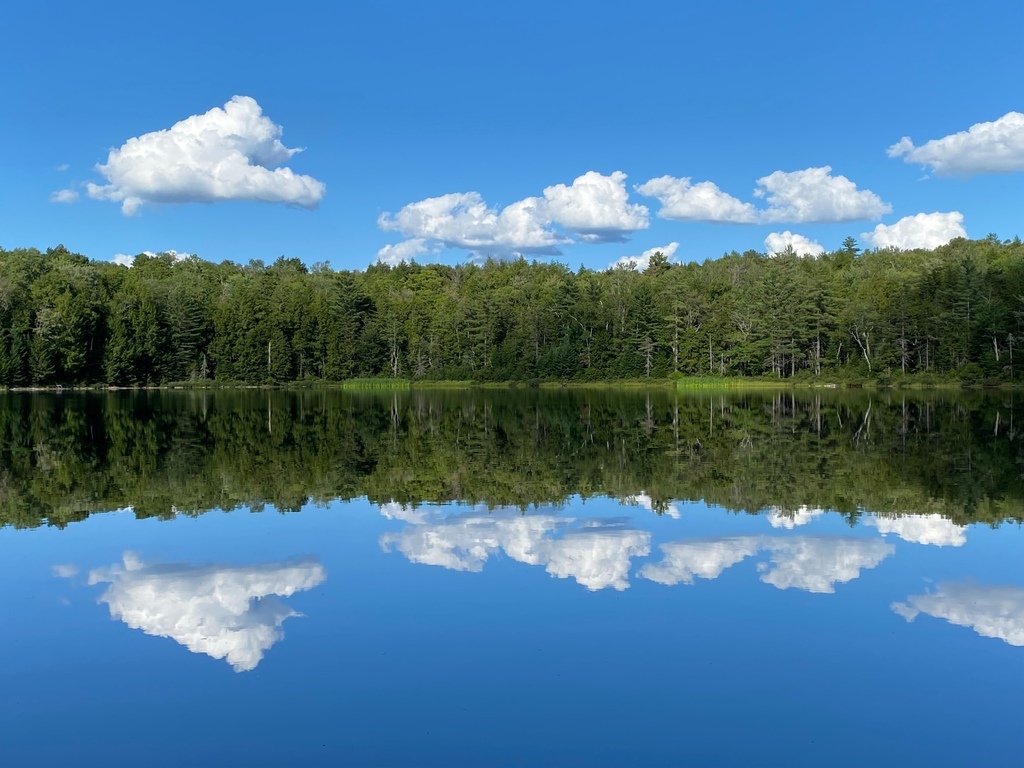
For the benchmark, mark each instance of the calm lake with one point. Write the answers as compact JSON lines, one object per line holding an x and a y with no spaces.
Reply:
{"x":512,"y":577}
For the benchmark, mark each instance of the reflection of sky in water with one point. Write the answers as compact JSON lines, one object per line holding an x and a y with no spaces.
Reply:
{"x":229,"y":612}
{"x":601,"y":617}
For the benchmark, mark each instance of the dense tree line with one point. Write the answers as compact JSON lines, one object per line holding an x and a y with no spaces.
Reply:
{"x":162,"y":453}
{"x":955,"y":311}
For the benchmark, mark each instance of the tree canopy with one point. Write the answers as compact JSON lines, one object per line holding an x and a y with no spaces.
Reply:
{"x":957,"y":311}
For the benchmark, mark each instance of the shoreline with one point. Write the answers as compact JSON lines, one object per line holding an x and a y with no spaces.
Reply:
{"x":690,"y":384}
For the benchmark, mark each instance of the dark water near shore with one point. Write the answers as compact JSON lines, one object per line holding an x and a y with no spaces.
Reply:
{"x":511,"y":578}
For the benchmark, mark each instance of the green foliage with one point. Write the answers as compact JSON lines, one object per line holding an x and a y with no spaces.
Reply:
{"x":877,"y":316}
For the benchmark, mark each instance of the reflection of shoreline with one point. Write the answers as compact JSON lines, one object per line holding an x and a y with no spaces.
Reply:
{"x":991,"y":611}
{"x":230,"y":612}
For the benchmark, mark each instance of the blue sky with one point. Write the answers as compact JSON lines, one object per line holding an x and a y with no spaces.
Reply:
{"x":398,"y":105}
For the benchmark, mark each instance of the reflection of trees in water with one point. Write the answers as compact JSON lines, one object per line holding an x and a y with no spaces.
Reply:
{"x":162,"y":453}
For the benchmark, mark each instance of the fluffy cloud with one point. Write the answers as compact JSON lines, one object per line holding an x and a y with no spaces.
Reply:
{"x":224,"y":154}
{"x":124,"y":260}
{"x":782,"y":518}
{"x":641,"y":262}
{"x":817,"y":564}
{"x":594,"y":207}
{"x":810,"y":195}
{"x":995,"y":147}
{"x":682,"y":200}
{"x":989,"y":611}
{"x":685,"y":560}
{"x":463,"y":220}
{"x":64,"y":196}
{"x":778,"y":242}
{"x":224,"y":611}
{"x":597,"y":554}
{"x":407,"y":250}
{"x":925,"y":230}
{"x":815,"y":195}
{"x":921,"y":529}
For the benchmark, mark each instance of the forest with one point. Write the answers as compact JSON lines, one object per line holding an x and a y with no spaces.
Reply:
{"x":953,"y":313}
{"x":65,"y":456}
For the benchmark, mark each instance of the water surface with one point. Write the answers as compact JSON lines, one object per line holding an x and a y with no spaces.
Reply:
{"x":511,"y":578}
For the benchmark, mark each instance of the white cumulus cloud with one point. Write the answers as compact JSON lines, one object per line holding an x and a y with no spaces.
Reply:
{"x":228,"y":612}
{"x":924,"y":230}
{"x":993,"y":147}
{"x":595,"y":208}
{"x":407,"y":250}
{"x":991,"y":611}
{"x":815,"y":195}
{"x":682,"y":200}
{"x":596,"y":554}
{"x":463,"y":220}
{"x":64,"y":196}
{"x":921,"y":529}
{"x":229,"y":153}
{"x":641,"y":262}
{"x":817,"y":564}
{"x":778,"y":242}
{"x":684,"y":561}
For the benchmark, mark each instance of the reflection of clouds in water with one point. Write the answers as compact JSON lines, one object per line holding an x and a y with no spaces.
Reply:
{"x":813,"y":563}
{"x":991,"y":611}
{"x":817,"y":564}
{"x":684,"y":560}
{"x":404,"y":512}
{"x":594,"y":553}
{"x":921,"y":529}
{"x":782,"y":518}
{"x":225,"y":611}
{"x":645,"y":501}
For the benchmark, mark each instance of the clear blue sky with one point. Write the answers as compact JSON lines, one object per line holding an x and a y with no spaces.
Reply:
{"x":397,"y":103}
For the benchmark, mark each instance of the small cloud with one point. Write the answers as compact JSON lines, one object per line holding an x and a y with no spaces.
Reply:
{"x":641,"y":262}
{"x":64,"y":196}
{"x":407,"y":250}
{"x":65,"y":571}
{"x":924,"y":230}
{"x":780,"y":242}
{"x":63,"y":167}
{"x":124,"y":260}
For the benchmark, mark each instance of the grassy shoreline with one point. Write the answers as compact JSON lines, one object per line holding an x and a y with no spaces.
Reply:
{"x":683,"y":384}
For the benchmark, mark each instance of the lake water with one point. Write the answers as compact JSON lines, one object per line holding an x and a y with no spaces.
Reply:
{"x":511,"y":578}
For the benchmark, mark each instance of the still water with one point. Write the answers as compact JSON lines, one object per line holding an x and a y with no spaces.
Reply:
{"x":511,"y":578}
